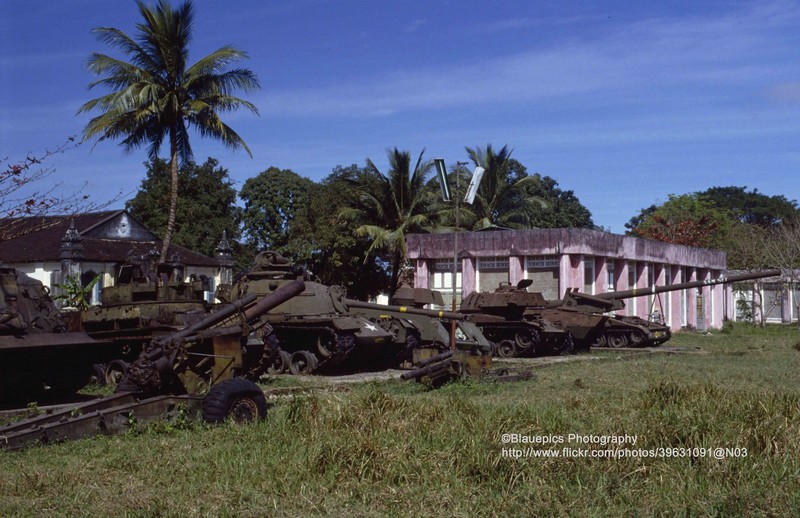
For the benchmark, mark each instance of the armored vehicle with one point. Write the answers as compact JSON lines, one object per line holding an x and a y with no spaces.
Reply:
{"x":587,"y":319}
{"x":39,"y":358}
{"x":146,"y":300}
{"x":508,"y":317}
{"x":314,"y":330}
{"x":415,"y":327}
{"x":592,"y":323}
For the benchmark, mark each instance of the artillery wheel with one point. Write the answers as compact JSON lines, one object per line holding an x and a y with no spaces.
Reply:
{"x":303,"y":362}
{"x":617,"y":340}
{"x":115,"y":371}
{"x":507,"y":349}
{"x":280,"y":363}
{"x":237,"y":399}
{"x":99,"y":373}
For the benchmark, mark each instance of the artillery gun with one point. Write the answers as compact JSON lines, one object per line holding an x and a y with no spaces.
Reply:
{"x":39,"y":358}
{"x":589,"y":317}
{"x":146,"y":300}
{"x":207,"y":368}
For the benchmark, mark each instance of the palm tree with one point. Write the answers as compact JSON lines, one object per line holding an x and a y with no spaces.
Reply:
{"x":501,"y":199}
{"x":157,"y":95}
{"x":387,"y":206}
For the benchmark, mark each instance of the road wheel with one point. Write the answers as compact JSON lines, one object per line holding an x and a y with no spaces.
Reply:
{"x":598,"y":341}
{"x":617,"y":340}
{"x":507,"y":349}
{"x":303,"y":362}
{"x":280,"y":363}
{"x":637,"y":339}
{"x":525,"y":339}
{"x":237,"y":399}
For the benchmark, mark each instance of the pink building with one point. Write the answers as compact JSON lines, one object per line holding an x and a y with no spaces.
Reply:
{"x":590,"y":260}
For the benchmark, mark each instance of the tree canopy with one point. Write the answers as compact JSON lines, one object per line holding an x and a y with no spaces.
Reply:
{"x":208,"y":204}
{"x":387,"y":206}
{"x":271,"y":201}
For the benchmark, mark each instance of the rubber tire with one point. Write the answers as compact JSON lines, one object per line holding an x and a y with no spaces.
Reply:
{"x":303,"y":363}
{"x":99,"y":371}
{"x":238,"y":399}
{"x":115,"y":372}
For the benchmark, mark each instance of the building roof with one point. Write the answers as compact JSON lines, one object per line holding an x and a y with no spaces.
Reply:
{"x":108,"y":236}
{"x":556,"y":241}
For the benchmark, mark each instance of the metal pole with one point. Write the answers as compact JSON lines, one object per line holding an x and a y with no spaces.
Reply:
{"x":455,"y":257}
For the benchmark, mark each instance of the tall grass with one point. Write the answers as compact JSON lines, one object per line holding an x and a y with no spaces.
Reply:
{"x":397,"y":449}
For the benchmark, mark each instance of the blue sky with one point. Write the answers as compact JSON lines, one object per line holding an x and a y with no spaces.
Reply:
{"x":622,"y":102}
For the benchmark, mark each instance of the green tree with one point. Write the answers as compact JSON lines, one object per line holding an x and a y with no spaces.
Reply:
{"x":685,"y":220}
{"x":158,"y":96}
{"x":208,"y":204}
{"x":389,"y":206}
{"x":752,"y":207}
{"x":271,"y":201}
{"x":327,"y":244}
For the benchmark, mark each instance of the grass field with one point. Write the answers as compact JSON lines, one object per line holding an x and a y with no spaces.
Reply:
{"x":394,"y":448}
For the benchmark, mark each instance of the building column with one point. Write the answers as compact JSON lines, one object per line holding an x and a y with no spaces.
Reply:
{"x":675,"y":298}
{"x":516,"y":269}
{"x":621,"y":272}
{"x":707,"y":303}
{"x":225,"y":260}
{"x":468,"y":280}
{"x":600,"y":275}
{"x":71,"y":253}
{"x":691,"y":301}
{"x":422,"y":274}
{"x":642,"y":281}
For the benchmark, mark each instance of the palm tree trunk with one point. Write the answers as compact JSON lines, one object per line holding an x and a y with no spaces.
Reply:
{"x":173,"y":196}
{"x":395,"y":273}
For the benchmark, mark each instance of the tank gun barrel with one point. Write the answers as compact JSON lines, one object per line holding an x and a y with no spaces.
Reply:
{"x":449,"y":315}
{"x":639,"y":292}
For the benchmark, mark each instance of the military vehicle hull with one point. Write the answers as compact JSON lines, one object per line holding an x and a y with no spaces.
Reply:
{"x":39,"y":359}
{"x":313,"y":331}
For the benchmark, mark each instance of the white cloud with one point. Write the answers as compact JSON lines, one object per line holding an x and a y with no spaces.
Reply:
{"x":724,"y":50}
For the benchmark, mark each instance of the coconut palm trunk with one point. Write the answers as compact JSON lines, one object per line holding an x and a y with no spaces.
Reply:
{"x":173,"y":197}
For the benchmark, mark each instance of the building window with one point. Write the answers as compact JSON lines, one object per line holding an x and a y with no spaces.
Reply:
{"x":540,"y":262}
{"x":610,"y":278}
{"x":492,"y":271}
{"x":588,"y":275}
{"x":441,"y":280}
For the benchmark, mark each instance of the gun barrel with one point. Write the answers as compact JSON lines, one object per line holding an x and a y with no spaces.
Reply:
{"x":639,"y":292}
{"x":281,"y":295}
{"x":449,"y":315}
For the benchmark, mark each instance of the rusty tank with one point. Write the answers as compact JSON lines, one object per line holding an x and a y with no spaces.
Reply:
{"x":39,"y":358}
{"x":315,"y":330}
{"x":591,"y":320}
{"x":147,"y":299}
{"x":508,"y":317}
